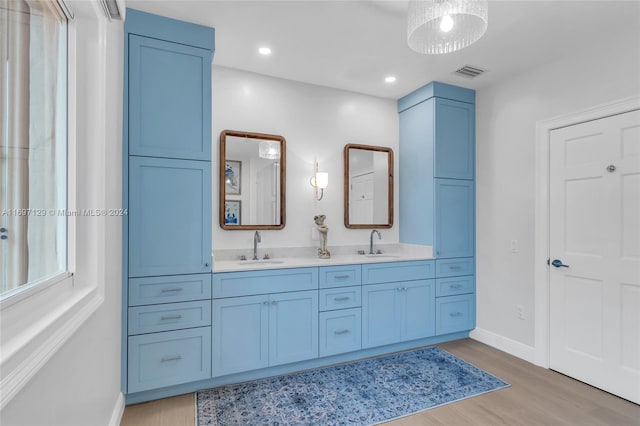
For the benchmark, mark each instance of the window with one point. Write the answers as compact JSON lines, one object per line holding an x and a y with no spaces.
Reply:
{"x":33,"y":144}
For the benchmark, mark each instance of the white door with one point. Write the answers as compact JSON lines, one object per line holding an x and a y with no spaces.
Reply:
{"x":361,"y":202}
{"x":595,"y":245}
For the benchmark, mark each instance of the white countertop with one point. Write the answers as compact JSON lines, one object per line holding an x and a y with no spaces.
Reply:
{"x":299,"y":257}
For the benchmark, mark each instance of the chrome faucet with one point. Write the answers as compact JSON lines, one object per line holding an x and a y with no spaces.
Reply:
{"x":256,"y":240}
{"x":375,"y":231}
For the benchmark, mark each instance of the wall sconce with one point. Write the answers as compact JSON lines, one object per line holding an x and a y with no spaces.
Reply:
{"x":320,"y":181}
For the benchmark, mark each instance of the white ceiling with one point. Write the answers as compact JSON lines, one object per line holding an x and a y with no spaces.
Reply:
{"x":353,"y":45}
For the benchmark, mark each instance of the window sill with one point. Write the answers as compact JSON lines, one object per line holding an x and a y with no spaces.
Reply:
{"x":24,"y":292}
{"x":26,"y":349}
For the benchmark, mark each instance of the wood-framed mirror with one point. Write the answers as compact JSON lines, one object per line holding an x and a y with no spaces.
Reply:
{"x":252,"y":180}
{"x":368,"y":186}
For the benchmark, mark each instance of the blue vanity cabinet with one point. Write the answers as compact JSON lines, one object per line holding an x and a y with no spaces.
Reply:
{"x":437,"y":157}
{"x":166,"y":271}
{"x":400,"y":310}
{"x":437,"y":205}
{"x":263,"y":319}
{"x":340,"y":309}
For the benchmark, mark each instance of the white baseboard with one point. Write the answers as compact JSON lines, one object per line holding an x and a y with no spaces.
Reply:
{"x":118,"y":411}
{"x":510,"y":346}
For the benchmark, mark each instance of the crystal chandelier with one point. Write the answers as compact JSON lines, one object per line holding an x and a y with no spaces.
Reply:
{"x":269,"y":150}
{"x":443,"y":26}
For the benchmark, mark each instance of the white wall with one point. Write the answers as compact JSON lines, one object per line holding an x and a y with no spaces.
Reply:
{"x":506,"y":116}
{"x":80,"y":384}
{"x":315,"y":121}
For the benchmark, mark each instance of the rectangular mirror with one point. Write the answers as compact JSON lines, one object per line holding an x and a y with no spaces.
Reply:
{"x":368,"y":186}
{"x":252,"y":180}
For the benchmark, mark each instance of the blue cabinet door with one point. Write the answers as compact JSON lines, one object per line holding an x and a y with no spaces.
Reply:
{"x":416,"y":174}
{"x":380,"y":314}
{"x":455,"y":218}
{"x":454,"y":139}
{"x":169,"y":99}
{"x":169,"y":216}
{"x":240,"y":329}
{"x":417,"y":310}
{"x":395,"y":312}
{"x":293,"y":327}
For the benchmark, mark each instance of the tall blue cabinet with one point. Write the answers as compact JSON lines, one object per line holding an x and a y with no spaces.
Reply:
{"x":167,"y":193}
{"x":437,"y":206}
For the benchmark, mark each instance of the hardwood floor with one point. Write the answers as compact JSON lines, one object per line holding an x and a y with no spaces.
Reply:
{"x":536,"y":397}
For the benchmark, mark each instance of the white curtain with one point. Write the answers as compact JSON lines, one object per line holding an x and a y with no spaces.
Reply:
{"x":14,"y":191}
{"x":47,"y":89}
{"x":33,"y":93}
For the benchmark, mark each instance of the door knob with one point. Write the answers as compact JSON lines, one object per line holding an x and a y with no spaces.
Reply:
{"x":558,"y":263}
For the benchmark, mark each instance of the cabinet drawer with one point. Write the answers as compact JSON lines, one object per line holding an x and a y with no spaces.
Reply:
{"x":232,"y":284}
{"x":455,"y":313}
{"x":169,"y":358}
{"x":170,"y":316}
{"x":340,"y":331}
{"x":454,"y":285}
{"x":340,"y":276}
{"x":454,"y":267}
{"x":375,"y":273}
{"x":178,"y":288}
{"x":340,"y":298}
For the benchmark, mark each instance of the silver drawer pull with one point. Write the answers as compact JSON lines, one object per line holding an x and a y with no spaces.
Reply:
{"x":341,"y":331}
{"x":170,"y":290}
{"x":455,"y":268}
{"x":171,"y":358}
{"x":341,"y":277}
{"x":341,"y":299}
{"x":170,"y":317}
{"x":455,"y":314}
{"x":455,"y":286}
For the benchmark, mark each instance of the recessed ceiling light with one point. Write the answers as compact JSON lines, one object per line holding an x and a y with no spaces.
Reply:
{"x":264,"y":51}
{"x":390,"y":79}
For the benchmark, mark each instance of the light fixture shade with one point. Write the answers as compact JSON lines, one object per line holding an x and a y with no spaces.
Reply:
{"x":269,"y":150}
{"x":321,"y":180}
{"x":465,"y":21}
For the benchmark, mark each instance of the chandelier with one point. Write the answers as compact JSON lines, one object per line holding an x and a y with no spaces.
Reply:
{"x":442,"y":26}
{"x":269,"y":150}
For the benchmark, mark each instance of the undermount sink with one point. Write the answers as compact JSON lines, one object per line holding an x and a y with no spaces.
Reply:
{"x":382,"y":256}
{"x":261,"y":262}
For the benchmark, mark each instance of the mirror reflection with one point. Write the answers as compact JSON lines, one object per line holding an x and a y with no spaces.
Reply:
{"x":252,"y":180}
{"x":368,"y":186}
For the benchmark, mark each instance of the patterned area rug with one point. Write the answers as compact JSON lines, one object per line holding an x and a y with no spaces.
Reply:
{"x":360,"y":393}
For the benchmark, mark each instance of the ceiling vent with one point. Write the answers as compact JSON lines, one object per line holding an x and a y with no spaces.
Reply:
{"x":470,"y":71}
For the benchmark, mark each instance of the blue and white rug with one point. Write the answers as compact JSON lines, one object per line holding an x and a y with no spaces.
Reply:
{"x":360,"y":393}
